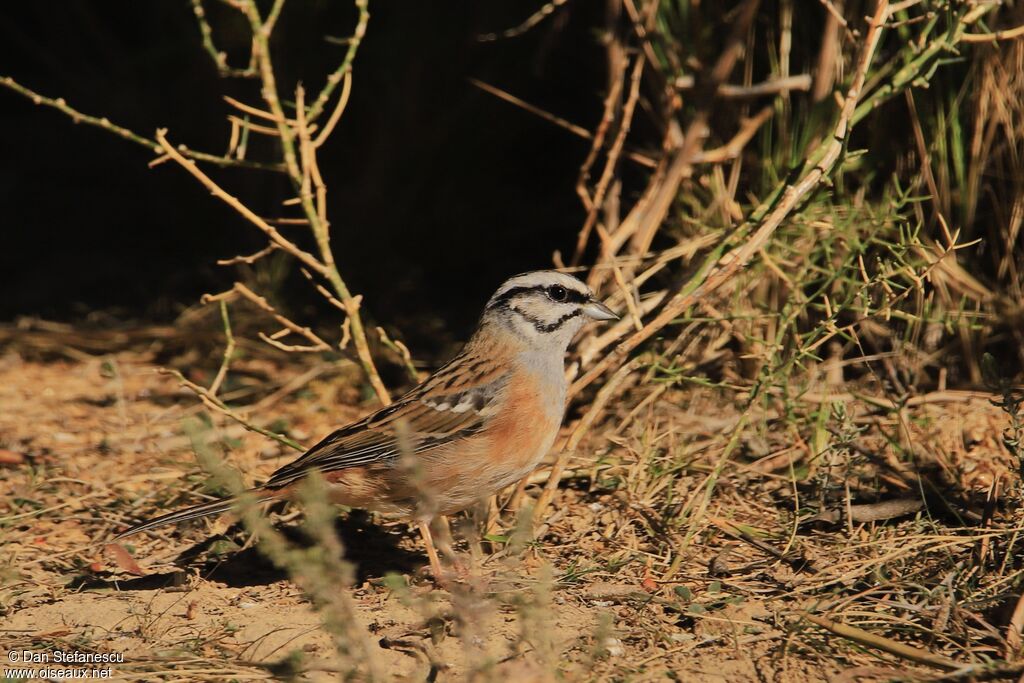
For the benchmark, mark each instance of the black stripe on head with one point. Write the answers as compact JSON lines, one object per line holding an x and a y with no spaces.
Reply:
{"x":541,"y":326}
{"x":572,"y":296}
{"x":507,"y":296}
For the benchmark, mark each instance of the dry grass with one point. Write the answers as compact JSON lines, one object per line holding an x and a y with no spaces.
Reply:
{"x":690,"y":536}
{"x":803,"y":460}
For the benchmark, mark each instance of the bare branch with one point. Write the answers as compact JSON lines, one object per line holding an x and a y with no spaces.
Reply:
{"x":546,"y":10}
{"x":718,"y":269}
{"x":776,"y":86}
{"x":153,"y":145}
{"x":579,"y":131}
{"x":318,"y":344}
{"x":339,"y":109}
{"x":229,"y":349}
{"x":731,"y":150}
{"x":305,"y":257}
{"x":251,"y":258}
{"x":1005,"y":34}
{"x":612,"y":159}
{"x":304,"y":173}
{"x":318,"y":105}
{"x":249,"y":109}
{"x":220,"y":59}
{"x":217,"y":405}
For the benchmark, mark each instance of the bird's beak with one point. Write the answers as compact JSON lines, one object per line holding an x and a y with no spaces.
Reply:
{"x":598,"y":311}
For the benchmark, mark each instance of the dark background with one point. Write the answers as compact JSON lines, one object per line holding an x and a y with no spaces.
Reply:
{"x":437,"y":190}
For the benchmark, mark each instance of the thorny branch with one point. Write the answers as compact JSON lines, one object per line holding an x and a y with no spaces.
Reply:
{"x":345,"y":68}
{"x":731,"y":255}
{"x":217,"y":405}
{"x":298,"y":150}
{"x":220,"y":58}
{"x":302,"y":170}
{"x":317,"y":344}
{"x":153,"y":145}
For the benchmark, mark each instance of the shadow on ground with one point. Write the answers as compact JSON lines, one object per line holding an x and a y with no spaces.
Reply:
{"x":374,"y":551}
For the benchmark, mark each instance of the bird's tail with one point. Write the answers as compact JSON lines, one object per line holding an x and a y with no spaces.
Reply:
{"x":216,"y":507}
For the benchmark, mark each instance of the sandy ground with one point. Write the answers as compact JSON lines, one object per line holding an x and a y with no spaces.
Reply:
{"x":90,"y":445}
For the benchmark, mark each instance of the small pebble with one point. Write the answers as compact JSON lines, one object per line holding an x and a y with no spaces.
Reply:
{"x":613,"y":646}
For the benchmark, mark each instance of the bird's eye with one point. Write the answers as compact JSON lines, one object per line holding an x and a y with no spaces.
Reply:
{"x":557,"y":293}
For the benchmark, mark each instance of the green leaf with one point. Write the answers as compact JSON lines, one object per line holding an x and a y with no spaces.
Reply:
{"x":684,"y":593}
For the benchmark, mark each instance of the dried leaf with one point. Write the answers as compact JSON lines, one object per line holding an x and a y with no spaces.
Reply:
{"x":11,"y":457}
{"x":123,"y":559}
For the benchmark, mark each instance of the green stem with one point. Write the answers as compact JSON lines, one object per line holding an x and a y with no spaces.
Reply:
{"x":319,"y":227}
{"x":317,"y":108}
{"x":103,"y":122}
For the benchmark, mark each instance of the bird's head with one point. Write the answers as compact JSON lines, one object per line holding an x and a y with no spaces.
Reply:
{"x":545,"y":308}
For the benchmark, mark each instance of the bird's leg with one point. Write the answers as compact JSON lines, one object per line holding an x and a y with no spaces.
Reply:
{"x":428,"y":540}
{"x":443,"y":532}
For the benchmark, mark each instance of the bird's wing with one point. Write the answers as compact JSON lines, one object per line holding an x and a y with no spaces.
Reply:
{"x":453,"y":404}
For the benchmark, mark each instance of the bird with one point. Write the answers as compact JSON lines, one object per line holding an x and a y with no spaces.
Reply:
{"x":479,"y":423}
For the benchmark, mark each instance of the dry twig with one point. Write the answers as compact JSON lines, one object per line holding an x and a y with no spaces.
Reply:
{"x":153,"y":145}
{"x":868,"y":639}
{"x":718,"y":269}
